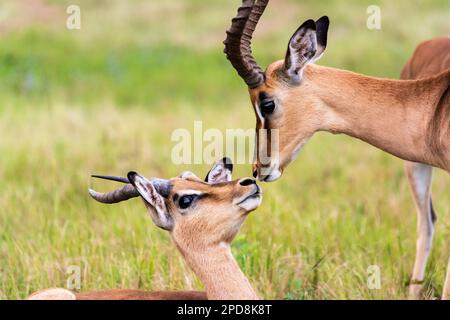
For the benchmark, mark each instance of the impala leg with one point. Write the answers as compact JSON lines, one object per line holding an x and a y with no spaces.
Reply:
{"x":446,"y":291}
{"x":419,"y":176}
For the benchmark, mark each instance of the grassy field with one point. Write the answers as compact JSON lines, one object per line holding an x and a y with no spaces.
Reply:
{"x":106,"y":98}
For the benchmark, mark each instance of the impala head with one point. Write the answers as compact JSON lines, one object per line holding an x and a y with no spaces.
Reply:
{"x":287,"y":112}
{"x":198,"y":213}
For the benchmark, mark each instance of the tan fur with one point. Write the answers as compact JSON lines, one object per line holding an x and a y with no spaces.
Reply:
{"x":409,"y":119}
{"x":203,"y":239}
{"x":392,"y":115}
{"x":430,"y":58}
{"x":53,"y":294}
{"x":118,"y":294}
{"x":202,"y":233}
{"x":141,"y":295}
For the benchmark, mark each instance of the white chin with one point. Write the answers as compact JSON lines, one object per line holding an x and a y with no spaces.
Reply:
{"x":251,"y":203}
{"x":275,"y":175}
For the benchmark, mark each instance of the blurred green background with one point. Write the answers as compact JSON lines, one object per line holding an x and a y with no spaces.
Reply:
{"x":105,"y":99}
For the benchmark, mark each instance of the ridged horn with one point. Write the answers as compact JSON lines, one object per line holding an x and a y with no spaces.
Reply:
{"x":238,"y":42}
{"x":126,"y":192}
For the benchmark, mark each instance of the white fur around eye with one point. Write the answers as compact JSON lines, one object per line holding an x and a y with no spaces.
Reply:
{"x":190,"y":192}
{"x":258,"y":112}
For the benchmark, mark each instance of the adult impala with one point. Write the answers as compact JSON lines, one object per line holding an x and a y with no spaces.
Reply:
{"x":202,"y":217}
{"x":430,"y":58}
{"x":293,"y":99}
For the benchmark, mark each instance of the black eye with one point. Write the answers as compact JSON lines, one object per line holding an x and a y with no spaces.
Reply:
{"x":186,"y":201}
{"x":267,"y":107}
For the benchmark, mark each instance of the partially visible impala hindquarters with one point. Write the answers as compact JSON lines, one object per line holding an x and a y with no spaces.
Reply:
{"x":53,"y":294}
{"x":438,"y":131}
{"x":127,"y":294}
{"x":276,"y":104}
{"x":419,"y":176}
{"x":117,"y":294}
{"x":432,"y":58}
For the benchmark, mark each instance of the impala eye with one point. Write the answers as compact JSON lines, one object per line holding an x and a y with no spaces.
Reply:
{"x":267,"y":107}
{"x":186,"y":201}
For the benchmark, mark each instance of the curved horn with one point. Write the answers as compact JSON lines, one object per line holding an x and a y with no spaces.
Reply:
{"x":238,"y":42}
{"x":128,"y":191}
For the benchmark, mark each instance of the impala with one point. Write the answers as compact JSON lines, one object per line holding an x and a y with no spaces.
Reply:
{"x":430,"y":58}
{"x":202,"y":218}
{"x":294,"y":98}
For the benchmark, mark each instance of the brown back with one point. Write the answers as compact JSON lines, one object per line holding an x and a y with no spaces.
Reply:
{"x":430,"y":58}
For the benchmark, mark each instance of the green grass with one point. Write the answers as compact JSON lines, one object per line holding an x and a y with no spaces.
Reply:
{"x":106,"y":99}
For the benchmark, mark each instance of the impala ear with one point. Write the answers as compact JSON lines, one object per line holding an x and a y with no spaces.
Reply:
{"x":322,"y":36}
{"x":153,"y":199}
{"x":220,"y":172}
{"x":305,"y":46}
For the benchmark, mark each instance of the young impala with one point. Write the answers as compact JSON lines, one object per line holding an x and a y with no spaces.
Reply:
{"x":202,"y":218}
{"x":293,"y":99}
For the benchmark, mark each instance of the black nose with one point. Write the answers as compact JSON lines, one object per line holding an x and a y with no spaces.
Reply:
{"x":255,"y":173}
{"x":247,"y":182}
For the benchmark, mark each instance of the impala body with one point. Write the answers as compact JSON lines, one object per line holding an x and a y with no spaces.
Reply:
{"x":202,"y":218}
{"x":430,"y":58}
{"x":294,"y":98}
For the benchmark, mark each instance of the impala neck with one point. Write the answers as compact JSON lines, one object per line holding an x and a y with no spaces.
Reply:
{"x":219,"y":273}
{"x":392,"y":115}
